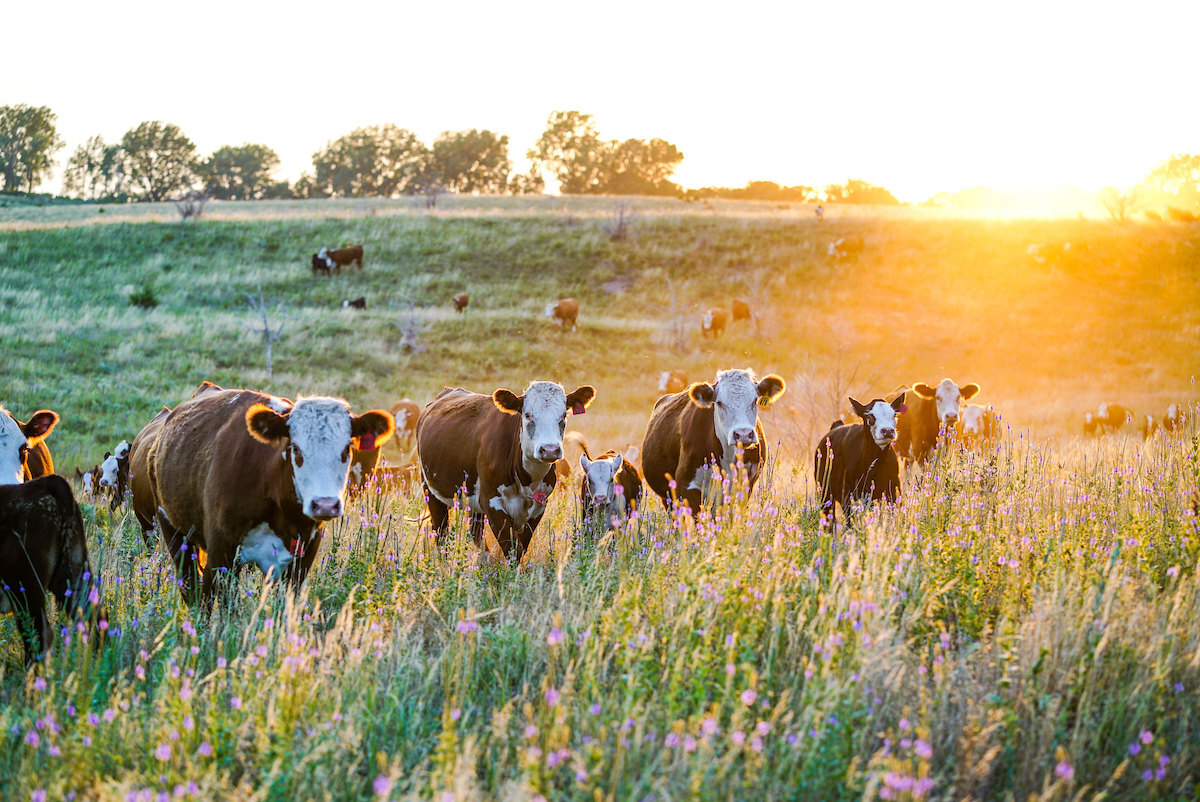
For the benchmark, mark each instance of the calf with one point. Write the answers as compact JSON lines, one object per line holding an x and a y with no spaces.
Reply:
{"x":708,"y":426}
{"x":978,"y":426}
{"x":407,"y":413}
{"x":247,"y":477}
{"x":338,"y":258}
{"x":43,"y":549}
{"x":611,"y":488}
{"x":932,"y":411}
{"x":741,"y":310}
{"x":23,"y":451}
{"x":1174,"y":418}
{"x":114,"y":474}
{"x":712,"y":323}
{"x":672,"y":381}
{"x":1148,"y":427}
{"x":846,"y":248}
{"x":359,"y":303}
{"x":566,"y":311}
{"x":499,"y":451}
{"x":856,"y":462}
{"x":461,"y":301}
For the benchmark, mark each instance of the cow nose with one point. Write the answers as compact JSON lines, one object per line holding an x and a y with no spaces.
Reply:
{"x":951,"y":417}
{"x":888,"y":434}
{"x":743,"y":437}
{"x":549,"y":452}
{"x":328,"y":507}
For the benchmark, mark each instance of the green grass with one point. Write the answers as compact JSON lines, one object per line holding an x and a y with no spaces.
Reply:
{"x":1022,"y":610}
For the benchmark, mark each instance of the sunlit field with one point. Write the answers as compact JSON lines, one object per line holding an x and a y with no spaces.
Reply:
{"x":1026,"y":623}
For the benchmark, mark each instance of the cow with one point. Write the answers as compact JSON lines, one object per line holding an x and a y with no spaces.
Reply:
{"x":712,"y":322}
{"x":110,"y":476}
{"x":846,"y":248}
{"x":1174,"y":418}
{"x":247,"y":477}
{"x":461,"y":301}
{"x":363,"y":463}
{"x":144,"y":504}
{"x":499,"y":451}
{"x":1148,"y":426}
{"x":566,"y":311}
{"x":672,"y":381}
{"x":359,"y":303}
{"x":326,"y":260}
{"x":43,"y":550}
{"x":611,"y":487}
{"x":708,"y":426}
{"x":741,"y":310}
{"x":23,"y":451}
{"x":978,"y":426}
{"x":406,"y":412}
{"x":856,"y":462}
{"x":1108,"y":419}
{"x":931,"y":411}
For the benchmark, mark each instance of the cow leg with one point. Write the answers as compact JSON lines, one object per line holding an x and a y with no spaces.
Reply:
{"x":502,"y":528}
{"x":217,"y":571}
{"x":184,"y":557}
{"x":300,"y":567}
{"x":439,"y":515}
{"x":477,"y":522}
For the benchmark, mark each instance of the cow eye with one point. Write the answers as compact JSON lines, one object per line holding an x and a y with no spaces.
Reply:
{"x":870,"y":420}
{"x":297,"y":457}
{"x":23,"y":448}
{"x":346,"y":453}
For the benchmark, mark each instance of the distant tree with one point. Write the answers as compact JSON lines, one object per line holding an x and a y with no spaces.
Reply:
{"x":471,"y":161}
{"x":306,"y":187}
{"x":571,"y":150}
{"x":239,"y":172}
{"x":28,"y":142}
{"x":1174,"y":182}
{"x":377,"y":161}
{"x":95,"y":171}
{"x":531,"y":183}
{"x":858,"y":191}
{"x":160,"y":160}
{"x":1119,"y":204}
{"x":757,"y":190}
{"x":638,"y":167}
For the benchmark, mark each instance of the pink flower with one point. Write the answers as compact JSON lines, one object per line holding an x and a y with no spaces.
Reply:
{"x":163,"y":752}
{"x":748,"y":696}
{"x":1146,"y":737}
{"x":1065,"y":770}
{"x":923,"y":749}
{"x":382,"y":785}
{"x":555,"y":637}
{"x":552,"y":697}
{"x":739,"y":737}
{"x":467,"y":626}
{"x":205,"y":749}
{"x":236,"y":703}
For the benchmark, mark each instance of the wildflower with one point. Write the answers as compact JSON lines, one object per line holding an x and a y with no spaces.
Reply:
{"x":555,"y":637}
{"x":552,"y":697}
{"x":456,"y":714}
{"x":905,"y":724}
{"x":39,"y":684}
{"x":382,"y":785}
{"x":709,"y":727}
{"x":672,"y":740}
{"x":594,"y":709}
{"x":1146,"y":737}
{"x":739,"y":737}
{"x":163,"y":752}
{"x":1065,"y":770}
{"x":1147,"y":775}
{"x":38,"y":795}
{"x":756,"y":745}
{"x":923,"y":749}
{"x":236,"y":703}
{"x":531,"y":731}
{"x":748,"y":696}
{"x":1134,"y":748}
{"x":33,"y":739}
{"x":205,"y":749}
{"x":762,"y":727}
{"x":467,"y":626}
{"x":689,"y":744}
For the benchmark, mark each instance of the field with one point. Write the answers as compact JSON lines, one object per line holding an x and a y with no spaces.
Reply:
{"x":1025,"y":623}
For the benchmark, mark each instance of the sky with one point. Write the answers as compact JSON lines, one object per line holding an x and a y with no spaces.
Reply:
{"x":918,"y":97}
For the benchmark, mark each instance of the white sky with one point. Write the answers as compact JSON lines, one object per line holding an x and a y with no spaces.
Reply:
{"x":915,"y":96}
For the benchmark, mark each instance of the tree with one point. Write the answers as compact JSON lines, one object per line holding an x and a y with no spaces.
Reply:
{"x":571,"y":149}
{"x":160,"y":160}
{"x":528,"y":184}
{"x":28,"y":141}
{"x":471,"y":161}
{"x":638,"y":167}
{"x":239,"y":172}
{"x":1174,"y":182}
{"x":377,"y":161}
{"x":1119,"y":204}
{"x":95,"y":171}
{"x":858,"y":191}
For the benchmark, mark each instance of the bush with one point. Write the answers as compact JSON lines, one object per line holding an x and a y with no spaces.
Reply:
{"x":144,"y":297}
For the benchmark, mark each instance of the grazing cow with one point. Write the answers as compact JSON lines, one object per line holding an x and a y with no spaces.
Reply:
{"x":247,"y":477}
{"x":931,"y":411}
{"x":1148,"y":426}
{"x":741,"y":310}
{"x":856,"y":462}
{"x":358,"y":303}
{"x":1175,"y":418}
{"x":1108,"y":419}
{"x":672,"y":381}
{"x":43,"y":550}
{"x":461,"y":301}
{"x":112,"y":475}
{"x":978,"y":426}
{"x":407,"y":413}
{"x":23,"y":451}
{"x":566,"y":311}
{"x":143,"y":501}
{"x":498,"y":450}
{"x":846,"y":248}
{"x":612,"y":486}
{"x":713,"y":322}
{"x":708,"y":426}
{"x":338,"y":258}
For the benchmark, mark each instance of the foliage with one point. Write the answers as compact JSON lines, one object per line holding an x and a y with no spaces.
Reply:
{"x":1174,"y":182}
{"x":241,"y":172}
{"x":758,"y":190}
{"x":95,"y":171}
{"x":471,"y":161}
{"x":28,"y":141}
{"x":160,"y":161}
{"x":858,"y":191}
{"x":377,"y":161}
{"x":144,"y":297}
{"x":638,"y":167}
{"x":1119,"y":204}
{"x":583,"y":164}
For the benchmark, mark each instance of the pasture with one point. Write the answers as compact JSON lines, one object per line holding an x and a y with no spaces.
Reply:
{"x":1027,"y":622}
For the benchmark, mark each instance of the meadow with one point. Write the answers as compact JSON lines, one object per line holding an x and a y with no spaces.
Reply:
{"x":1025,"y":624}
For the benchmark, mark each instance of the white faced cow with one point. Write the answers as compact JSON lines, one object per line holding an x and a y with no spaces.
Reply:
{"x":22,"y":444}
{"x":931,"y":411}
{"x":611,"y":487}
{"x":857,"y":462}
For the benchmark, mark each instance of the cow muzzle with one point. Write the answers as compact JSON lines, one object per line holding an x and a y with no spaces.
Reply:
{"x":744,"y":437}
{"x":549,"y":453}
{"x":323,"y":509}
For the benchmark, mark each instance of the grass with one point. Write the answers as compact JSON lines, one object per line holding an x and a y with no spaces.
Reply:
{"x":1022,"y":625}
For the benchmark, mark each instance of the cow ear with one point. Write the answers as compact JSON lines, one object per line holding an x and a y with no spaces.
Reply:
{"x":703,"y":395}
{"x":584,"y":462}
{"x":969,"y":390}
{"x":769,"y":389}
{"x":898,"y":403}
{"x":266,"y":425}
{"x":923,"y":390}
{"x":616,"y":464}
{"x":579,"y":399}
{"x":508,"y":402}
{"x":372,"y":429}
{"x":858,"y":408}
{"x":40,"y":425}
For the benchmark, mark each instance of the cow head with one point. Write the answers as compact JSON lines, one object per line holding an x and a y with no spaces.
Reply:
{"x":549,"y":311}
{"x":974,"y":421}
{"x":17,"y":438}
{"x":880,"y":418}
{"x":947,"y":397}
{"x":600,"y":474}
{"x":543,"y":408}
{"x":735,"y":398}
{"x":316,"y":435}
{"x":112,"y":465}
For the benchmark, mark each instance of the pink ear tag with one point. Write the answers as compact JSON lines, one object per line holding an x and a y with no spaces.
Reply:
{"x":578,"y":409}
{"x":903,"y":408}
{"x":540,"y":498}
{"x":367,"y":442}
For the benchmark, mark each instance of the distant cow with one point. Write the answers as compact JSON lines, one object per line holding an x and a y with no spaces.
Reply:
{"x":363,"y":463}
{"x":326,"y":260}
{"x":252,"y":478}
{"x":931,"y":411}
{"x":564,"y":313}
{"x":846,"y":248}
{"x":611,"y":487}
{"x":978,"y":426}
{"x":672,"y":381}
{"x":741,"y":310}
{"x":1107,"y":419}
{"x":43,"y":550}
{"x":358,"y":303}
{"x":23,"y":451}
{"x":1174,"y":418}
{"x":1148,"y":426}
{"x":406,"y":412}
{"x":856,"y":462}
{"x":112,"y":474}
{"x":692,"y":432}
{"x":461,"y":301}
{"x":713,"y":322}
{"x":498,"y":450}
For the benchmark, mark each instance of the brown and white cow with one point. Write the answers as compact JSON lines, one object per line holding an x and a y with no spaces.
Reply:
{"x":672,"y":381}
{"x":741,"y":310}
{"x":846,"y":248}
{"x":252,"y":478}
{"x":1175,"y":417}
{"x":358,"y":304}
{"x":712,"y":322}
{"x":564,"y":313}
{"x":1148,"y":426}
{"x":1107,"y":419}
{"x":334,"y":260}
{"x":406,"y":412}
{"x":499,"y":451}
{"x":978,"y":426}
{"x":23,"y":451}
{"x":856,"y":462}
{"x":611,"y":486}
{"x":461,"y":301}
{"x":932,"y":411}
{"x":142,"y":499}
{"x":110,"y":477}
{"x":43,"y":550}
{"x":709,"y":425}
